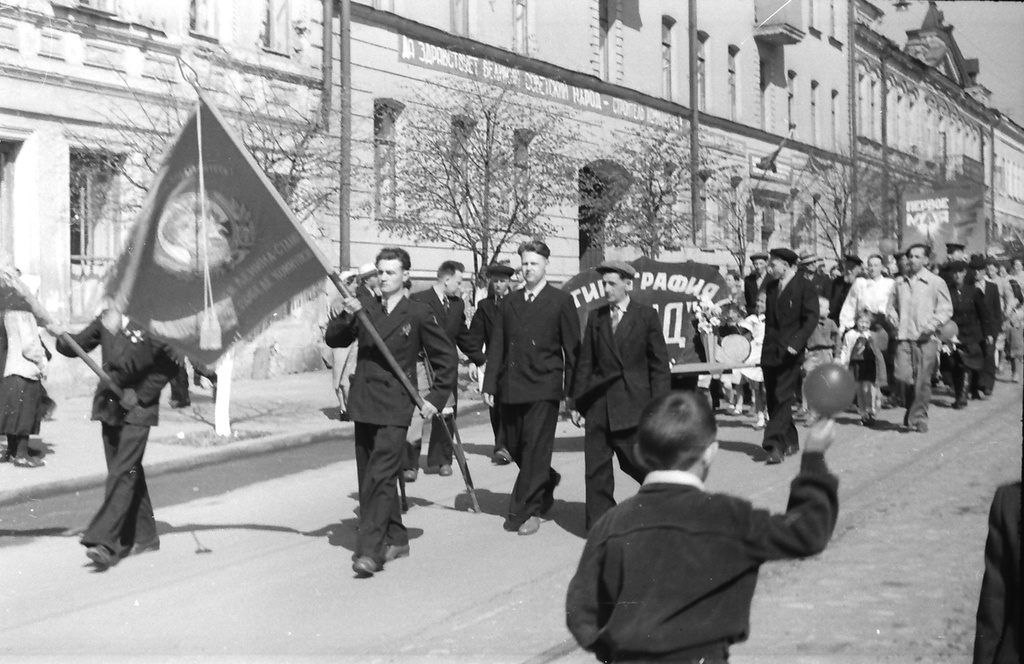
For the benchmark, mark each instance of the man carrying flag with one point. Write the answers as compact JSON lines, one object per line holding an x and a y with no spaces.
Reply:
{"x":379,"y":406}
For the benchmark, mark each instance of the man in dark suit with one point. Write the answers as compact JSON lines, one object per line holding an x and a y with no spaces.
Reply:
{"x":991,"y":328}
{"x":623,"y":364}
{"x":529,"y":364}
{"x":480,"y":329}
{"x":819,"y":281}
{"x":997,"y":636}
{"x":445,"y":300}
{"x":140,"y":366}
{"x":841,"y":285}
{"x":380,"y":405}
{"x":791,"y":314}
{"x":755,"y":282}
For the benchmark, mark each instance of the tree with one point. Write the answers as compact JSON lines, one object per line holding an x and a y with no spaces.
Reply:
{"x":478,"y":166}
{"x":644,"y":202}
{"x":734,"y":195}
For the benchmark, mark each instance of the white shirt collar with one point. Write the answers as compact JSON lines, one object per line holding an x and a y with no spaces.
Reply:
{"x":535,"y":291}
{"x":681,"y":477}
{"x":441,"y":297}
{"x":622,"y":306}
{"x":391,"y":302}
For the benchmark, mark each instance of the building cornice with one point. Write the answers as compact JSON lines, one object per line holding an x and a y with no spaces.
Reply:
{"x":366,"y":15}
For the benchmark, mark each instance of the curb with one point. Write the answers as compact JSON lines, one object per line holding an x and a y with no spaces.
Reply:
{"x":251,"y":447}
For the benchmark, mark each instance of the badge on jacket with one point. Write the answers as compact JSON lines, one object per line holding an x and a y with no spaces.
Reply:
{"x":406,"y":329}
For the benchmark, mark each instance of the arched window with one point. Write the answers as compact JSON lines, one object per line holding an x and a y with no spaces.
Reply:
{"x":667,"y":56}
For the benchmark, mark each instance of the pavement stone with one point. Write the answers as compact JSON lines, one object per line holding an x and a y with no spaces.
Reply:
{"x":266,"y":415}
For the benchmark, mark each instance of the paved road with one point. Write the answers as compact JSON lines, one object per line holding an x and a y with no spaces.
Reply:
{"x":898,"y":583}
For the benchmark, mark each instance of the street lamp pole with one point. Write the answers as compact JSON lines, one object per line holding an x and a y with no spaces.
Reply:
{"x":851,"y":101}
{"x":345,"y":170}
{"x":696,"y":213}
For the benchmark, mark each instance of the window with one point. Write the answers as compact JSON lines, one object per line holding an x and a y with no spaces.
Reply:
{"x":872,"y":112}
{"x":385,"y":155}
{"x":833,"y":19}
{"x":811,"y":13}
{"x":790,"y":100}
{"x":734,"y":102}
{"x":520,"y":27}
{"x":835,"y":119}
{"x":275,"y":27}
{"x":603,"y":37}
{"x":386,"y":5}
{"x":521,"y":161}
{"x":202,"y":17}
{"x":109,"y":6}
{"x":702,"y":97}
{"x":460,"y":17}
{"x":667,"y":33}
{"x":814,"y":112}
{"x":97,"y":230}
{"x":764,"y":93}
{"x":897,"y":123}
{"x":462,"y":131}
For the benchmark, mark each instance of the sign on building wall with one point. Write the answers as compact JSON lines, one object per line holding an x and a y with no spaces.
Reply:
{"x":439,"y":58}
{"x":954,"y":214}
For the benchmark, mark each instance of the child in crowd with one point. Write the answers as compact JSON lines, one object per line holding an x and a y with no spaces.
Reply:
{"x":820,"y":348}
{"x":860,"y":354}
{"x":753,"y":377}
{"x":669,"y":574}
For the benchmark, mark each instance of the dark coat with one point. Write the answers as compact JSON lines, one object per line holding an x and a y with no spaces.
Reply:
{"x":789,"y":319}
{"x":621,"y":371}
{"x":453,"y":322}
{"x":751,"y":290}
{"x":132,"y":359}
{"x":484,"y":320}
{"x":993,"y":324}
{"x":376,"y":395}
{"x":840,"y":289}
{"x":970,"y":315}
{"x":997,"y":639}
{"x":533,"y":348}
{"x":821,"y":283}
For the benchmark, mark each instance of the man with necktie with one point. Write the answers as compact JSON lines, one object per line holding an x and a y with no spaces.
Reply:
{"x":623,"y":364}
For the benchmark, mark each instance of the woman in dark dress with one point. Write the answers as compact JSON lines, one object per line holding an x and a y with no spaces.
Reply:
{"x":21,"y":390}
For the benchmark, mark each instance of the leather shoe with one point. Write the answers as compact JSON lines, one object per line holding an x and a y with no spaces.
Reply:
{"x":793,"y":450}
{"x":102,"y":556}
{"x":960,"y":403}
{"x":502,"y":457}
{"x":396,"y":551}
{"x":365,"y":567}
{"x":410,"y":475}
{"x":445,"y":470}
{"x":530,"y":526}
{"x":921,"y":427}
{"x":774,"y":456}
{"x":142,"y":547}
{"x":547,"y":501}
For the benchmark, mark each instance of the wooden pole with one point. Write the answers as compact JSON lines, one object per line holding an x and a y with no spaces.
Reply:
{"x":345,"y":170}
{"x":695,"y":181}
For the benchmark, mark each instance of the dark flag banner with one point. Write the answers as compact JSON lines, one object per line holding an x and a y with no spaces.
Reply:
{"x":948,"y":214}
{"x":672,"y":288}
{"x":201,"y":286}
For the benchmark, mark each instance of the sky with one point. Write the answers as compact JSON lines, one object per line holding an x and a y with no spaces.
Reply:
{"x":992,"y":32}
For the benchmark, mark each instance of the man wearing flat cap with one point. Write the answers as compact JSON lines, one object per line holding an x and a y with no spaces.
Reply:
{"x":841,"y":285}
{"x":955,"y":252}
{"x":819,"y":281}
{"x":791,"y":314}
{"x":623,"y":364}
{"x":754,"y":283}
{"x":499,"y":282}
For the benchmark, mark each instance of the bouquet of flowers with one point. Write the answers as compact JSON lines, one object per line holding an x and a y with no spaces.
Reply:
{"x":709,"y":316}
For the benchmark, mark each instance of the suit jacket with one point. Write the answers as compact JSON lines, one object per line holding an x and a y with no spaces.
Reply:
{"x":789,"y":319}
{"x":993,"y":325}
{"x":132,"y":359}
{"x":484,"y":319}
{"x":377,"y":396}
{"x":453,"y":322}
{"x":620,"y":372}
{"x":840,"y":289}
{"x":997,"y":639}
{"x":751,"y":290}
{"x":533,"y":348}
{"x":821,"y":284}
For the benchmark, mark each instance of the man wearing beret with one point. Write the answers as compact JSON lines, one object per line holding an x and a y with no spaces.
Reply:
{"x":754,"y":283}
{"x":919,"y":306}
{"x":480,"y":329}
{"x":530,"y":357}
{"x":791,"y":314}
{"x":623,"y":364}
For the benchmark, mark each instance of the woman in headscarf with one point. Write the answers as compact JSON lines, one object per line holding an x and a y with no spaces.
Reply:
{"x":21,"y":390}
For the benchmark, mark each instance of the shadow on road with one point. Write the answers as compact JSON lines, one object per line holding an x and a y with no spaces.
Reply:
{"x":752,"y":450}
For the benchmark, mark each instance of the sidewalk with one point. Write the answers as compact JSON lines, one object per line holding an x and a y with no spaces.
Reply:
{"x":266,"y":415}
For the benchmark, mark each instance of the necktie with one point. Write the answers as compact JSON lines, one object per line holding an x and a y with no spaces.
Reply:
{"x":529,"y":298}
{"x":445,"y":305}
{"x":616,"y":317}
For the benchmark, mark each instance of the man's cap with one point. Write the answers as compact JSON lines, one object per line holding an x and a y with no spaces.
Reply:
{"x":348,"y":274}
{"x":993,"y":260}
{"x":622,"y":268}
{"x":787,"y":255}
{"x":499,"y":270}
{"x":759,"y":256}
{"x":957,"y":266}
{"x":852,"y":260}
{"x":367,"y":269}
{"x":977,"y":262}
{"x":954,"y":246}
{"x":809,"y":259}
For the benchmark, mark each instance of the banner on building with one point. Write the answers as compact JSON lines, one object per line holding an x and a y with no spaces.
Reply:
{"x":673,"y":289}
{"x":950,"y":214}
{"x":197,"y":286}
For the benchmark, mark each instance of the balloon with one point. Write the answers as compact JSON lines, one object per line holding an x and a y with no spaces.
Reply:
{"x":948,"y":331}
{"x":829,"y":389}
{"x":888,"y":247}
